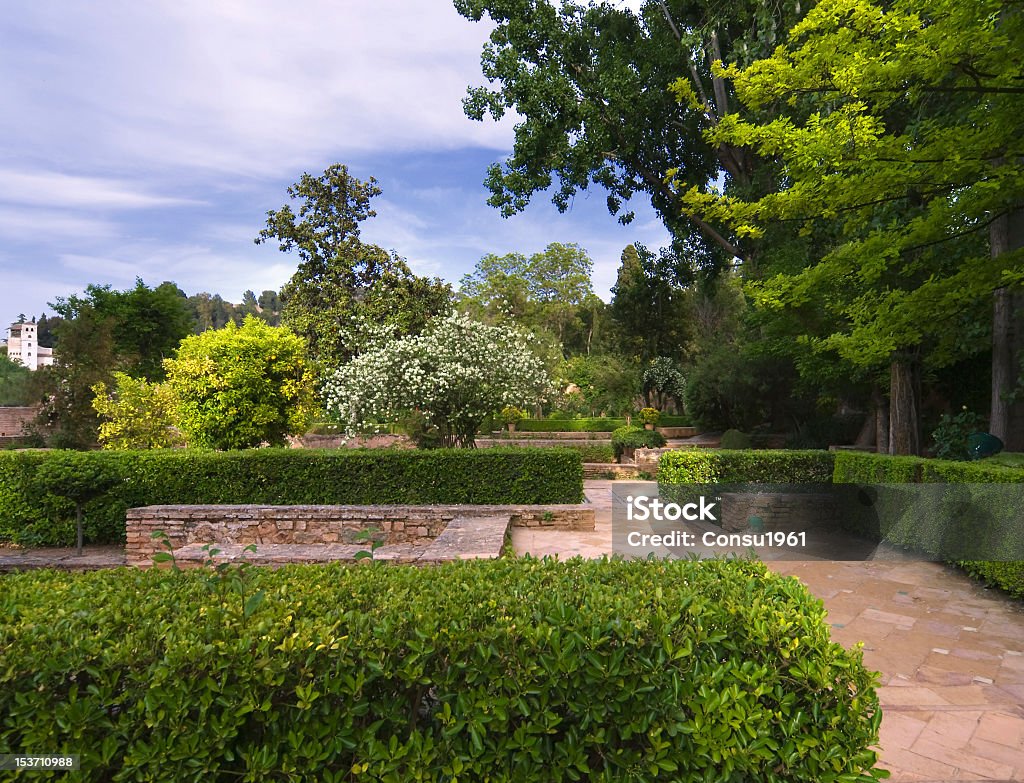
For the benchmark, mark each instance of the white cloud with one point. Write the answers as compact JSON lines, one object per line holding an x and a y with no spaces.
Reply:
{"x":255,"y":87}
{"x":54,"y":189}
{"x":30,"y":225}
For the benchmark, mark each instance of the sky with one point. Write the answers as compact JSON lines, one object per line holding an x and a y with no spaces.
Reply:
{"x":149,"y":139}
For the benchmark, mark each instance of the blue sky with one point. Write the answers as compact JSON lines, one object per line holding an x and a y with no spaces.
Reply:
{"x":150,"y":138}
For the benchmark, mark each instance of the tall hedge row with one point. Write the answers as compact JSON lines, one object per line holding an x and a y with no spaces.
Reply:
{"x":509,"y":670}
{"x":31,"y":514}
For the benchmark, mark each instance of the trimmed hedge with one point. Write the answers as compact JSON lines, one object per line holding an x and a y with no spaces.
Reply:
{"x":631,"y":438}
{"x":596,"y":424}
{"x":706,"y":466}
{"x":591,"y":452}
{"x":31,"y":515}
{"x":507,"y":670}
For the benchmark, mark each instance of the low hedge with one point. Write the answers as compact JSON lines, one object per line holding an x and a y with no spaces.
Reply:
{"x":508,"y":670}
{"x":632,"y":438}
{"x":596,"y":424}
{"x":31,"y":515}
{"x":706,"y":466}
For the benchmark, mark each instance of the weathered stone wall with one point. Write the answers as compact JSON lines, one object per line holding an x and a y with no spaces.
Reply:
{"x":13,"y":421}
{"x":251,"y":524}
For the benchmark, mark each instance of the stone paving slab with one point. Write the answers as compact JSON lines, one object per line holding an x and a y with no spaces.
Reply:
{"x":62,"y":558}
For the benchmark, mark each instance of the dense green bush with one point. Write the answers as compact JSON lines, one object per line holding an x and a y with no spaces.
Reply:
{"x":507,"y":670}
{"x":706,"y":466}
{"x":592,"y":452}
{"x":599,"y":424}
{"x":1006,"y":575}
{"x":628,"y":438}
{"x":862,"y":467}
{"x":734,"y":439}
{"x":31,"y":514}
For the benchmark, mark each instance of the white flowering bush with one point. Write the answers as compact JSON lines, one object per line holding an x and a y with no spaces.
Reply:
{"x":454,"y":374}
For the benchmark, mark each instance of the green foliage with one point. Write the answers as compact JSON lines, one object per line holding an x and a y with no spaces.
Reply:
{"x":950,"y":437}
{"x":650,"y":415}
{"x":549,"y":291}
{"x":598,"y":424}
{"x":31,"y":514}
{"x":705,"y":466}
{"x":137,"y":414}
{"x":596,"y":384}
{"x":629,"y":438}
{"x":588,"y":84}
{"x":238,"y":387}
{"x":1006,"y":575}
{"x":456,"y":373}
{"x":510,"y":414}
{"x":591,"y":452}
{"x":506,"y":670}
{"x":146,"y":323}
{"x":897,"y":125}
{"x":342,"y":282}
{"x":855,"y":467}
{"x":15,"y":382}
{"x":734,"y":439}
{"x":726,"y":389}
{"x":87,"y":356}
{"x":664,"y":383}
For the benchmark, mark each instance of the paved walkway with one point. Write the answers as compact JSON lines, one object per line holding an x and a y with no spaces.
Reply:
{"x":950,"y":653}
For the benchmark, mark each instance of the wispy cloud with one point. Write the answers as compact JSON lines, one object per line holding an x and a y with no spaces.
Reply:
{"x":55,"y":189}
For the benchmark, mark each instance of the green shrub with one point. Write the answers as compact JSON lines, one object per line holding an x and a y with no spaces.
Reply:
{"x":950,"y":437}
{"x":31,"y":514}
{"x":1006,"y":575}
{"x":734,"y":439}
{"x":598,"y":424}
{"x":627,"y":438}
{"x":507,"y":670}
{"x":650,"y":415}
{"x":592,"y":452}
{"x":706,"y":466}
{"x":862,"y":467}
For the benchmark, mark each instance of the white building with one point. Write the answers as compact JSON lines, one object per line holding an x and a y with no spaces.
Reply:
{"x":23,"y":346}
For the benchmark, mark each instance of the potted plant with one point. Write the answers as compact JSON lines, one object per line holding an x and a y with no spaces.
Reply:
{"x":511,"y":415}
{"x":650,"y":417}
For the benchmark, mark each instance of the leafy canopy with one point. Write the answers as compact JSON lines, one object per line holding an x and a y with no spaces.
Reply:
{"x":136,"y":414}
{"x":241,"y":386}
{"x":341,"y":280}
{"x":898,"y":125}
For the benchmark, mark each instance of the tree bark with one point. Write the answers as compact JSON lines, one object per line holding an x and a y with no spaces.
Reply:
{"x":881,"y":405}
{"x":1006,"y":420}
{"x":904,"y":391}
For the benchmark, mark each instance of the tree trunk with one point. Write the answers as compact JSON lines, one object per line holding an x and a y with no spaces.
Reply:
{"x":904,"y":390}
{"x":1006,"y":419}
{"x":881,"y":405}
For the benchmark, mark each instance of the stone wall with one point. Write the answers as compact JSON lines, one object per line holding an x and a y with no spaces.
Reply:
{"x":778,"y":510}
{"x":250,"y":524}
{"x":13,"y":421}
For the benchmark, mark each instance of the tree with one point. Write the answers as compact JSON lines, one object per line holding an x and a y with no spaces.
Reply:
{"x":241,"y":386}
{"x":15,"y":382}
{"x":900,"y":126}
{"x":549,"y":290}
{"x":136,"y":414}
{"x":337,"y":272}
{"x":87,"y":356}
{"x":79,"y":479}
{"x":651,"y":304}
{"x":148,"y":323}
{"x":455,"y":373}
{"x":590,"y":82}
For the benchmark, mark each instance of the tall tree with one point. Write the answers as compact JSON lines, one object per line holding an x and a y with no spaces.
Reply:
{"x":651,"y":305}
{"x":901,"y":125}
{"x":591,"y":84}
{"x":550,"y":289}
{"x":337,"y":271}
{"x":148,"y":323}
